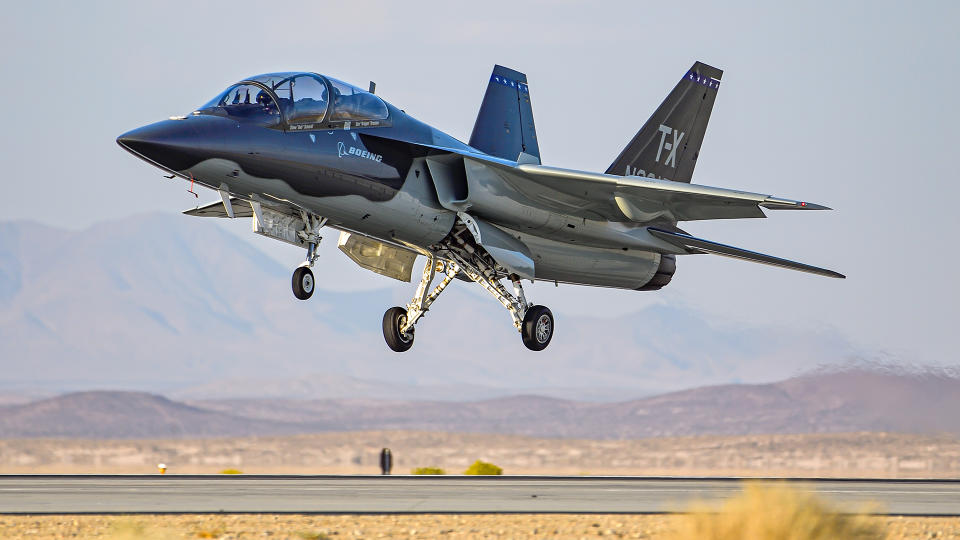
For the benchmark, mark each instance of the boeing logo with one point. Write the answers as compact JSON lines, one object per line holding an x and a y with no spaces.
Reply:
{"x":342,"y":150}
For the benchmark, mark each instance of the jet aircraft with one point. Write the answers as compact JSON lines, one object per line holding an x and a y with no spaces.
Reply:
{"x":300,"y":152}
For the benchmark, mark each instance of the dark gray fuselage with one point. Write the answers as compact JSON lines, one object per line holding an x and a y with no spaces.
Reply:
{"x":377,"y":181}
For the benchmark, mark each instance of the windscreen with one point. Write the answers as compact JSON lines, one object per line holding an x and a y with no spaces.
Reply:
{"x":301,"y":99}
{"x":245,"y":101}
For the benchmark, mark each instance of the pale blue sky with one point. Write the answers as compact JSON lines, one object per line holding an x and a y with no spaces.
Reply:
{"x":848,"y":104}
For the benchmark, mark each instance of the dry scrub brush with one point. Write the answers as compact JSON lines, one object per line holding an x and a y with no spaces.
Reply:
{"x":429,"y":470}
{"x":483,"y":468}
{"x":775,"y":511}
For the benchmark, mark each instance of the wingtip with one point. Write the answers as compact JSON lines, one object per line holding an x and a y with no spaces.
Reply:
{"x":776,"y":203}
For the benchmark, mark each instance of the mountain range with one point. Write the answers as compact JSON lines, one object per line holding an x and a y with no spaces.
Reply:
{"x":175,"y":305}
{"x":827,"y":402}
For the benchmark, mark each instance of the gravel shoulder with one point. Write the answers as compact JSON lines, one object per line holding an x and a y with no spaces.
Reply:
{"x":311,"y":527}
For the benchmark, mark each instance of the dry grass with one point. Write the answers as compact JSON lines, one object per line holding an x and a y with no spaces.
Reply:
{"x":767,"y":511}
{"x":138,"y":529}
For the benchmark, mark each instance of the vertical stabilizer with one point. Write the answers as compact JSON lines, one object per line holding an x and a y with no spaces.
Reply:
{"x":668,"y":145}
{"x":504,"y":126}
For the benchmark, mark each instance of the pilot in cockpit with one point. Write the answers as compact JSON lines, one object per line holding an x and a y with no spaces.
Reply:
{"x":265,"y":101}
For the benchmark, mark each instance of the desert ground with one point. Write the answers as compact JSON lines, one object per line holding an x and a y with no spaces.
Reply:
{"x":824,"y":455}
{"x":810,"y":455}
{"x":303,"y":527}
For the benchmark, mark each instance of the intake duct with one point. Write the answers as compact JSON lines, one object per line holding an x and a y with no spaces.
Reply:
{"x":668,"y":265}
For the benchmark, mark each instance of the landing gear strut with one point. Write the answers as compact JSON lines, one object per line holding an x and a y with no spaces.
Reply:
{"x":303,"y":281}
{"x":535,"y":323}
{"x":457,"y":255}
{"x":398,"y":323}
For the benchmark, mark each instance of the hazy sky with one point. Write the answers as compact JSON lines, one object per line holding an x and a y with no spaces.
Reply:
{"x":848,"y":104}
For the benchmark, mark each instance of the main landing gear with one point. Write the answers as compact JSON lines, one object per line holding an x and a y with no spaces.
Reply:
{"x":398,"y":322}
{"x":537,"y":329}
{"x":458,"y":255}
{"x":534,"y":322}
{"x":303,"y":281}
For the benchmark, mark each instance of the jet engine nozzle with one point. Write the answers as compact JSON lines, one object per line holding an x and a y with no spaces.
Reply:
{"x":668,"y":266}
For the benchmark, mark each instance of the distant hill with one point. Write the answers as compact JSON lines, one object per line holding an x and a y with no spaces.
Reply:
{"x":330,"y":386}
{"x":832,"y":402}
{"x":125,"y":415}
{"x":173,"y":304}
{"x":857,"y":400}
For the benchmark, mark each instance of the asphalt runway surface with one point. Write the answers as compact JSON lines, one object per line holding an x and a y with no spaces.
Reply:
{"x":43,"y":494}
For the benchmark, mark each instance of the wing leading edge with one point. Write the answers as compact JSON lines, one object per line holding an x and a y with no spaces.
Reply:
{"x":641,"y":200}
{"x":700,"y":245}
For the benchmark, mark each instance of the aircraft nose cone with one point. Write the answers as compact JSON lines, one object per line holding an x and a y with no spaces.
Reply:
{"x":171,"y":144}
{"x":143,"y":138}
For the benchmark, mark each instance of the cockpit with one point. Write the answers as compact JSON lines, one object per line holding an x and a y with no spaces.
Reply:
{"x":299,"y":101}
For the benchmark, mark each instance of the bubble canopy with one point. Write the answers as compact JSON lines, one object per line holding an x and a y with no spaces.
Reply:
{"x":297,"y":101}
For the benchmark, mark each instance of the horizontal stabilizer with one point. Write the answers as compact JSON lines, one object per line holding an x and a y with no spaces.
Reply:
{"x":241,"y":208}
{"x":700,"y":245}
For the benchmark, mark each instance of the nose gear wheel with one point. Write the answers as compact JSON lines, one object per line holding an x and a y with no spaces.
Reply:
{"x":303,"y":283}
{"x":303,"y":280}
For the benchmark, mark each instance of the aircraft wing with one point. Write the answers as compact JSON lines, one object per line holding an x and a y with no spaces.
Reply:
{"x":642,"y":200}
{"x":698,"y":245}
{"x":622,"y":198}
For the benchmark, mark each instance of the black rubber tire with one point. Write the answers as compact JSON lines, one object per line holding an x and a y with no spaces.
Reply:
{"x":393,"y":319}
{"x":537,"y":328}
{"x":303,"y":283}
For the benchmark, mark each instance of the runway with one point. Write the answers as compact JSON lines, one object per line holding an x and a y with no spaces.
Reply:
{"x":436,"y":494}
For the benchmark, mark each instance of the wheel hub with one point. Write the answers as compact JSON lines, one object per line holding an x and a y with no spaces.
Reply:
{"x":401,"y":322}
{"x":543,"y":328}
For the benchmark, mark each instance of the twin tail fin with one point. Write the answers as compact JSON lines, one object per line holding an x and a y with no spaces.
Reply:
{"x":668,"y":145}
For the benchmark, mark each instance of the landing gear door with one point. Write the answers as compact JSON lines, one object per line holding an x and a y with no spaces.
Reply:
{"x":386,"y":260}
{"x":278,"y":225}
{"x":508,"y":251}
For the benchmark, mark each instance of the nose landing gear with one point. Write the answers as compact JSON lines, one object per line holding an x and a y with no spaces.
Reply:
{"x":303,"y":281}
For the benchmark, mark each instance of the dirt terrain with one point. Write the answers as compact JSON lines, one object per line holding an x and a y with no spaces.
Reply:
{"x":852,"y":454}
{"x":300,"y":527}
